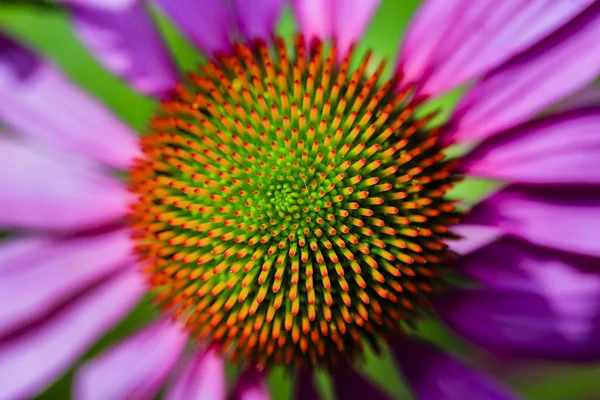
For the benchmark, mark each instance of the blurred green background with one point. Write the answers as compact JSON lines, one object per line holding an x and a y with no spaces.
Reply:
{"x":49,"y":31}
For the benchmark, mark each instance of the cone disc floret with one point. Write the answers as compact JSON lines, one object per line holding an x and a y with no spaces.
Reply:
{"x":291,"y":208}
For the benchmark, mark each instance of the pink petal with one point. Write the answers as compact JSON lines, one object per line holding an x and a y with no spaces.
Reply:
{"x":473,"y":237}
{"x":37,"y":356}
{"x":564,"y":62}
{"x":127,"y":43}
{"x":560,"y":149}
{"x":434,"y":375}
{"x":38,"y":101}
{"x":344,"y":20}
{"x":349,"y":384}
{"x":257,"y":18}
{"x":251,"y":385}
{"x":136,"y":367}
{"x":209,"y":24}
{"x":13,"y":248}
{"x":36,"y":281}
{"x":564,"y":218}
{"x":45,"y":189}
{"x":449,"y":43}
{"x":534,"y":303}
{"x":202,"y":377}
{"x":107,"y":4}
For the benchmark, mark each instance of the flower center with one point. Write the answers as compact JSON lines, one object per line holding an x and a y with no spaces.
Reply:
{"x":291,"y":209}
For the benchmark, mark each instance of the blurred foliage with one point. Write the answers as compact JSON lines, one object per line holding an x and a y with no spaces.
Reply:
{"x":46,"y":28}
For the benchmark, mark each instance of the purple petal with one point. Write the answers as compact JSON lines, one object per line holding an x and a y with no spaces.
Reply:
{"x":449,"y":43}
{"x":209,"y":24}
{"x":588,"y":96}
{"x":344,"y":20}
{"x":473,"y":237}
{"x":560,"y":149}
{"x":126,"y":42}
{"x":349,"y":384}
{"x":38,"y":101}
{"x":257,"y":18}
{"x":136,"y":367}
{"x":564,"y":218}
{"x":251,"y":385}
{"x":42,"y":189}
{"x":434,"y":375}
{"x":36,"y":281}
{"x":564,"y":62}
{"x":13,"y":248}
{"x":535,"y":303}
{"x":202,"y":377}
{"x":33,"y":359}
{"x":305,"y":386}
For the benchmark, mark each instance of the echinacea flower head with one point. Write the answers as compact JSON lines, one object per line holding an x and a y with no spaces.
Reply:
{"x":291,"y":203}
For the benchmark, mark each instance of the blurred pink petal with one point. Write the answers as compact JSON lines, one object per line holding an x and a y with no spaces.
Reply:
{"x":250,"y":385}
{"x":38,"y":101}
{"x":349,"y":384}
{"x":564,"y":62}
{"x":127,"y":43}
{"x":473,"y":237}
{"x":43,"y":189}
{"x":534,"y":303}
{"x":208,"y":23}
{"x":562,"y":148}
{"x":344,"y":20}
{"x":36,"y":281}
{"x":203,"y":377}
{"x":257,"y":18}
{"x":107,"y":4}
{"x":449,"y":43}
{"x":16,"y":248}
{"x":33,"y":359}
{"x":435,"y":375}
{"x":560,"y":217}
{"x":588,"y":96}
{"x":136,"y":367}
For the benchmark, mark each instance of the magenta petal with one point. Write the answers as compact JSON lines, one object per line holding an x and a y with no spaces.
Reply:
{"x":126,"y":42}
{"x":37,"y":279}
{"x":435,"y":375}
{"x":473,"y":237}
{"x":209,"y":24}
{"x":38,"y":101}
{"x":251,"y":385}
{"x":535,"y":303}
{"x":36,"y":357}
{"x":52,"y":190}
{"x":449,"y":43}
{"x":564,"y":62}
{"x":560,"y":149}
{"x":203,"y":376}
{"x":349,"y":384}
{"x":564,"y":218}
{"x":135,"y":368}
{"x":257,"y":18}
{"x":344,"y":20}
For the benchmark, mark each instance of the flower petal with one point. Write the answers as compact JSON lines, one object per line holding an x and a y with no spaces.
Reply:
{"x":564,"y":62}
{"x":349,"y":384}
{"x":36,"y":281}
{"x":208,"y":24}
{"x":37,"y":356}
{"x":434,"y":375}
{"x":535,"y":303}
{"x":450,"y":43}
{"x":257,"y":18}
{"x":202,"y":377}
{"x":136,"y":367}
{"x":127,"y":43}
{"x":563,"y":148}
{"x":473,"y":237}
{"x":38,"y":101}
{"x":556,"y":217}
{"x":251,"y":385}
{"x":41,"y":192}
{"x":344,"y":20}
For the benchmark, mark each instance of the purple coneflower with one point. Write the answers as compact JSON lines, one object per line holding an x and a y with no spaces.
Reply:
{"x":289,"y":206}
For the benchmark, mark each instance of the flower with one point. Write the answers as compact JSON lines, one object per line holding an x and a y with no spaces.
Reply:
{"x":70,"y":271}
